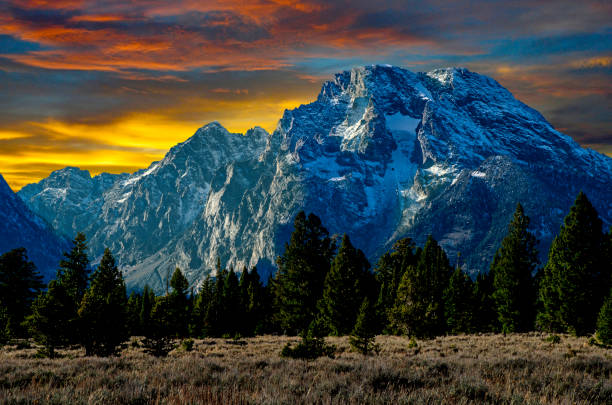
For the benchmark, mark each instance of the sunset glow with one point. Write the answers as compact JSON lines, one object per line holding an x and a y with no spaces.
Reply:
{"x":111,"y":86}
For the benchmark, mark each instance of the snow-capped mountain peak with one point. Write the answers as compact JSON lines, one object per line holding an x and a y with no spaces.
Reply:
{"x":381,"y":154}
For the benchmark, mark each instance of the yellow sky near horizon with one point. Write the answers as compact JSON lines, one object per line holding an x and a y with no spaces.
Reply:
{"x":126,"y":145}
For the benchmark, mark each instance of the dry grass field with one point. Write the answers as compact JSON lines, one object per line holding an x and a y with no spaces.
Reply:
{"x":517,"y":369}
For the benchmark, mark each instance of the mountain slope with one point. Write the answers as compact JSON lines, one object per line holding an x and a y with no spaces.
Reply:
{"x":383,"y":153}
{"x":20,"y":227}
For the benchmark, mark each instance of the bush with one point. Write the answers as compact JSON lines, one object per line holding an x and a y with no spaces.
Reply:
{"x":187,"y":345}
{"x":158,"y":346}
{"x":554,"y":339}
{"x":309,"y":349}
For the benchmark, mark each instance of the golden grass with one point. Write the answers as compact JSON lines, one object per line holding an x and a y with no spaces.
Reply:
{"x":455,"y":369}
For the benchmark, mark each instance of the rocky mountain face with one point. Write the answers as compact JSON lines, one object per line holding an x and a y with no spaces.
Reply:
{"x":20,"y":227}
{"x":383,"y":153}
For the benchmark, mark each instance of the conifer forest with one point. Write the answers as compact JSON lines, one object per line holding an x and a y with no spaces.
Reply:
{"x":325,"y":299}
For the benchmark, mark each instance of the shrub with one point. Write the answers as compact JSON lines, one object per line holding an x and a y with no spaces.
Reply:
{"x":187,"y":345}
{"x":309,"y":349}
{"x":158,"y":346}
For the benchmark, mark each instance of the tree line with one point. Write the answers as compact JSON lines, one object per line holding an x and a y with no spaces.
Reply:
{"x":324,"y":286}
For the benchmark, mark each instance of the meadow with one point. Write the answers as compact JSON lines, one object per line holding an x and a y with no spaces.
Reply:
{"x":488,"y":368}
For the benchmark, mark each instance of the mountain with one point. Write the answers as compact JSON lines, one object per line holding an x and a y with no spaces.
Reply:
{"x":20,"y":227}
{"x":383,"y":153}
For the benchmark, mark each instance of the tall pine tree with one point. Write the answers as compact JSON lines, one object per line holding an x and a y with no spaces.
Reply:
{"x":73,"y":272}
{"x":389,"y":271}
{"x":146,"y":305}
{"x":298,"y":285}
{"x":231,"y":307}
{"x":134,"y":305}
{"x":577,"y":276}
{"x":20,"y":284}
{"x":179,"y":304}
{"x":513,"y":267}
{"x":49,"y":322}
{"x":459,"y":303}
{"x":485,"y":319}
{"x":419,"y":306}
{"x":347,"y":283}
{"x":103,"y":309}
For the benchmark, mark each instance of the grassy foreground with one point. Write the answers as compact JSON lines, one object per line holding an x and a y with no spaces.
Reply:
{"x":456,"y":369}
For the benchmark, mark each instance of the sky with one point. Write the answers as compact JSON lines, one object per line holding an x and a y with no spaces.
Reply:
{"x":112,"y":85}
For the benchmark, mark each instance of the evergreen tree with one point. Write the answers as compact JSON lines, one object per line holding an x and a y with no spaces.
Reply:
{"x":604,"y":321}
{"x":512,"y":267}
{"x":179,"y":310}
{"x":103,"y":309}
{"x":20,"y":284}
{"x":346,"y":285}
{"x":4,"y":326}
{"x":231,"y":304}
{"x":459,"y":303}
{"x":49,"y":321}
{"x":302,"y":268}
{"x":134,"y":306}
{"x":363,"y":335}
{"x":200,"y":308}
{"x":577,"y":275}
{"x":214,"y":318}
{"x":313,"y":344}
{"x":485,"y":319}
{"x":146,"y":306}
{"x":73,"y":272}
{"x":255,"y":303}
{"x":158,"y":337}
{"x":419,"y":306}
{"x":389,"y":271}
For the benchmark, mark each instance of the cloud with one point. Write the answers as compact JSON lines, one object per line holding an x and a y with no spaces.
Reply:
{"x":83,"y":76}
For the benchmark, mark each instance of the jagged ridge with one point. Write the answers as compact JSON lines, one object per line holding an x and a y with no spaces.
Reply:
{"x":382,"y":153}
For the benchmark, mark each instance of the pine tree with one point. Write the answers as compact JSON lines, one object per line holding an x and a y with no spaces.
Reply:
{"x":254,"y":303}
{"x":346,"y":284}
{"x":419,"y":306}
{"x":103,"y":309}
{"x":49,"y":321}
{"x":389,"y":271}
{"x":577,"y":275}
{"x":20,"y":284}
{"x":231,"y":304}
{"x":134,"y":306}
{"x":604,"y":321}
{"x":179,"y":311}
{"x":485,"y":319}
{"x":73,"y":272}
{"x":459,"y":303}
{"x":313,"y":344}
{"x":214,"y":318}
{"x":4,"y":326}
{"x":363,"y":336}
{"x":158,"y":337}
{"x":302,"y":268}
{"x":146,"y":306}
{"x":512,"y":267}
{"x":200,"y":308}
